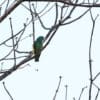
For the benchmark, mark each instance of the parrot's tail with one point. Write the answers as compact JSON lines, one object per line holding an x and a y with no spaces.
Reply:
{"x":36,"y":59}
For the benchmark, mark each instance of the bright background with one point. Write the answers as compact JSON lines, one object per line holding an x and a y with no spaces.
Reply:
{"x":66,"y":56}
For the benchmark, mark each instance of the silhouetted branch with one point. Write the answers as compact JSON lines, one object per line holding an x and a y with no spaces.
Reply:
{"x":16,"y":58}
{"x":33,"y":22}
{"x":6,"y":55}
{"x":10,"y":9}
{"x":96,"y":76}
{"x":57,"y":88}
{"x":79,"y":17}
{"x":14,"y":68}
{"x":66,"y":92}
{"x":96,"y":97}
{"x":74,"y":98}
{"x":82,"y":92}
{"x":13,"y":43}
{"x":56,"y":17}
{"x":23,"y":29}
{"x":7,"y":5}
{"x":90,"y":58}
{"x":36,"y":14}
{"x":98,"y":91}
{"x":50,"y":38}
{"x":7,"y":91}
{"x":67,"y":2}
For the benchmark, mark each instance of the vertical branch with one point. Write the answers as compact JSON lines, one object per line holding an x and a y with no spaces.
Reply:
{"x":1,"y":66}
{"x":0,"y":10}
{"x":7,"y":91}
{"x":62,"y":8}
{"x":56,"y":5}
{"x":57,"y":88}
{"x":90,"y":62}
{"x":66,"y":92}
{"x":74,"y":98}
{"x":13,"y":42}
{"x":90,"y":58}
{"x":33,"y":24}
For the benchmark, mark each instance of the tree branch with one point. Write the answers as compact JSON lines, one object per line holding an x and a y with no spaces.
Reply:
{"x":57,"y":88}
{"x":7,"y":91}
{"x":67,"y":2}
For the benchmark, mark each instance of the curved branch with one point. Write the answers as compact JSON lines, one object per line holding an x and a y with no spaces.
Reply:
{"x":7,"y":91}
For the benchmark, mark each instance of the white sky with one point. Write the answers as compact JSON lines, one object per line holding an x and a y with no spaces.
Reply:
{"x":66,"y":55}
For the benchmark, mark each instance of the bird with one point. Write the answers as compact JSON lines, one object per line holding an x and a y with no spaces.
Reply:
{"x":38,"y":44}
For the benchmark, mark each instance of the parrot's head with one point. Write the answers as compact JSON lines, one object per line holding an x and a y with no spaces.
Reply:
{"x":40,"y":39}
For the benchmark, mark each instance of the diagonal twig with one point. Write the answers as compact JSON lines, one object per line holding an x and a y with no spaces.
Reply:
{"x":82,"y":92}
{"x":7,"y":91}
{"x":57,"y":88}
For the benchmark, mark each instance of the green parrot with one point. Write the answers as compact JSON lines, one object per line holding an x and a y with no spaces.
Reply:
{"x":38,"y":44}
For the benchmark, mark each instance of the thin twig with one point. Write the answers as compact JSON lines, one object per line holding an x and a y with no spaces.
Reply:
{"x":7,"y":91}
{"x":96,"y":76}
{"x":10,"y":9}
{"x":14,"y":68}
{"x":12,"y":34}
{"x":57,"y":88}
{"x":40,"y":19}
{"x":33,"y":22}
{"x":66,"y":92}
{"x":82,"y":92}
{"x":22,"y":30}
{"x":75,"y":18}
{"x":56,"y":17}
{"x":98,"y":91}
{"x":74,"y":98}
{"x":96,"y":97}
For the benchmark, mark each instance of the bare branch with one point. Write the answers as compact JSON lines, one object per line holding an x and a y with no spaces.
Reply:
{"x":96,"y":76}
{"x":98,"y":91}
{"x":75,"y":18}
{"x":67,"y":2}
{"x":56,"y":18}
{"x":10,"y":9}
{"x":82,"y":92}
{"x":96,"y":97}
{"x":74,"y":98}
{"x":66,"y":92}
{"x":7,"y":91}
{"x":14,"y":68}
{"x":13,"y":43}
{"x":33,"y":22}
{"x":57,"y":88}
{"x":90,"y":58}
{"x":7,"y":5}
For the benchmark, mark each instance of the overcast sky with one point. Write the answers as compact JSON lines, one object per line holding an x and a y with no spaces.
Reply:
{"x":66,"y":56}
